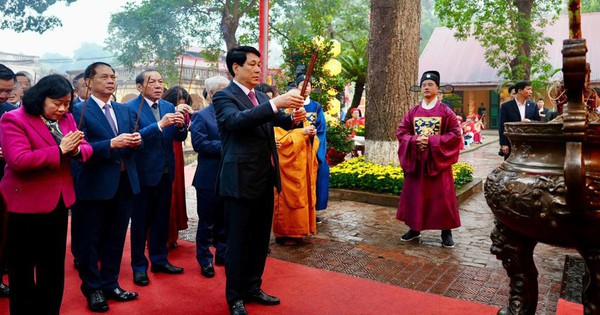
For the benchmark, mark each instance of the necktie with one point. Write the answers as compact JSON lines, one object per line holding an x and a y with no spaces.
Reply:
{"x":111,"y":121}
{"x":252,"y":97}
{"x":155,"y":111}
{"x":54,"y":130}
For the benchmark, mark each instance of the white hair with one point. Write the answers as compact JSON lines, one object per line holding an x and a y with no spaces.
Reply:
{"x":213,"y":83}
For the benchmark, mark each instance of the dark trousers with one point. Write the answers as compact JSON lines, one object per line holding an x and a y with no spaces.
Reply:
{"x":150,"y":221}
{"x":101,"y":227}
{"x":211,"y":229}
{"x":248,"y":227}
{"x":36,"y":261}
{"x":3,"y":225}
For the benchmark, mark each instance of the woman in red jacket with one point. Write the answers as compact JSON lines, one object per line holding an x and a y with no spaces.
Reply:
{"x":40,"y":139}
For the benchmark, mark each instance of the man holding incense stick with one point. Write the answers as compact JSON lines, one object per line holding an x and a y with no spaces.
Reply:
{"x":104,"y":187}
{"x":248,"y":172}
{"x":156,"y":169}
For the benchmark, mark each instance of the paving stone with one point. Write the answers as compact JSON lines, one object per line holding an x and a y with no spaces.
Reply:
{"x":362,"y":240}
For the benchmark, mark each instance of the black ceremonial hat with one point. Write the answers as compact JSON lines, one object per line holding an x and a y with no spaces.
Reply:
{"x":431,"y":75}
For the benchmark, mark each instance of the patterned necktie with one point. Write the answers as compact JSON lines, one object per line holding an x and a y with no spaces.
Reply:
{"x":111,"y":121}
{"x":54,"y":130}
{"x":252,"y":97}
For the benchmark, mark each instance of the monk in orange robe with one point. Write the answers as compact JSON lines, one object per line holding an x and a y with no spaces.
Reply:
{"x":294,"y":213}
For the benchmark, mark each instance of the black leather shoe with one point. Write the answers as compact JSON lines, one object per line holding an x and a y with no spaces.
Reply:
{"x":207,"y":270}
{"x":261,"y":297}
{"x":141,"y":278}
{"x":97,"y":302}
{"x":4,"y":290}
{"x":220,"y":261}
{"x":166,"y":268}
{"x":238,"y":308}
{"x":120,"y":295}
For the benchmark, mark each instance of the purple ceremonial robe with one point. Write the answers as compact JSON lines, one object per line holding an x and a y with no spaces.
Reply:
{"x":428,"y":199}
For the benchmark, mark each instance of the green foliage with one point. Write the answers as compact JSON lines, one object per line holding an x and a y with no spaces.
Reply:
{"x":590,"y":6}
{"x":338,"y":137}
{"x":158,"y":31}
{"x":454,"y":100}
{"x":428,"y":22}
{"x":514,"y":33}
{"x":298,"y":51}
{"x":26,"y":15}
{"x":357,"y":173}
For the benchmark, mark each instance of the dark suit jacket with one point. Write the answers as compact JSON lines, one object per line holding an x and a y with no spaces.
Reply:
{"x":248,"y":143}
{"x":4,"y":107}
{"x":98,"y":178}
{"x":509,"y":112}
{"x":207,"y":142}
{"x":158,"y":147}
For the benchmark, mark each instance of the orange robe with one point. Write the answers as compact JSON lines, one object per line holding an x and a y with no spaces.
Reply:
{"x":295,"y":206}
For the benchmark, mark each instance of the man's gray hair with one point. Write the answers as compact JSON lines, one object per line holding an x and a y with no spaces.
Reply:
{"x":213,"y":83}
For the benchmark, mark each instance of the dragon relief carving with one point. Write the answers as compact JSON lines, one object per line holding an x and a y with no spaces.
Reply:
{"x":517,"y":195}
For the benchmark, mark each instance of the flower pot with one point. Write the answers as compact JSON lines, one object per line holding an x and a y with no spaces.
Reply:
{"x":334,"y":157}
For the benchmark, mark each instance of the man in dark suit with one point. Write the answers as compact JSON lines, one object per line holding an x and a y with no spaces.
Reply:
{"x":248,"y":172}
{"x":207,"y":142}
{"x":156,"y":169}
{"x":517,"y":109}
{"x":80,"y":88}
{"x":545,"y":113}
{"x":7,"y":84}
{"x":104,"y":186}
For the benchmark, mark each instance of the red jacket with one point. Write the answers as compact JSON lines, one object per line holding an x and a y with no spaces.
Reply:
{"x":36,"y":175}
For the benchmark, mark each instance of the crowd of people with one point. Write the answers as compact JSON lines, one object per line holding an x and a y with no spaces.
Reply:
{"x":112,"y":164}
{"x":261,"y":168}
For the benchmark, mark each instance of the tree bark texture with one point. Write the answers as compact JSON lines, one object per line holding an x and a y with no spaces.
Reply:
{"x":523,"y":58}
{"x":392,"y":69}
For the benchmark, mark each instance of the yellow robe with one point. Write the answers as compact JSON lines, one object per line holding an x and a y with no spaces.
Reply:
{"x":294,"y":212}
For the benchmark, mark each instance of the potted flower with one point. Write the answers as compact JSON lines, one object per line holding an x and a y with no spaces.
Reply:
{"x":339,"y":142}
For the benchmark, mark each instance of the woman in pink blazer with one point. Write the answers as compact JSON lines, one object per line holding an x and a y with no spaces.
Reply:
{"x":38,"y":141}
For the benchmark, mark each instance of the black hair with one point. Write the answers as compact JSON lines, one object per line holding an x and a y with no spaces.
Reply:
{"x":90,"y":71}
{"x":6,"y":74}
{"x":511,"y":88}
{"x":540,"y":99}
{"x":238,"y":55}
{"x":172,"y":94}
{"x":139,"y":79}
{"x":521,"y":85}
{"x":301,"y":78}
{"x":53,"y":86}
{"x":77,"y":77}
{"x":265,"y":88}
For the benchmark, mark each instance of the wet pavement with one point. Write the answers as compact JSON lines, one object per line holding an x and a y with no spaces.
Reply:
{"x":363,"y":240}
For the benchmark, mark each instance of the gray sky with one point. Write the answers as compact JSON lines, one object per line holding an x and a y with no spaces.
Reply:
{"x":83,"y":21}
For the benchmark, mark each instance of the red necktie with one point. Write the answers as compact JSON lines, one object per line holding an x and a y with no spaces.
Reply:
{"x":252,"y":97}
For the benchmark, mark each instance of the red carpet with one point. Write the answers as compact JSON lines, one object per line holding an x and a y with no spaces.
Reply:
{"x":303,"y":290}
{"x":565,"y":307}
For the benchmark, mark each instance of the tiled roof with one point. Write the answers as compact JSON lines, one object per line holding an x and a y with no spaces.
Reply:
{"x":462,"y":63}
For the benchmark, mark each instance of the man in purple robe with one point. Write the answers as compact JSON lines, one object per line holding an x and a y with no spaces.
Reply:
{"x":429,"y":143}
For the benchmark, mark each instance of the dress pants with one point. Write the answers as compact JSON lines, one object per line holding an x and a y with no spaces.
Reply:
{"x":101,"y":230}
{"x":150,"y":221}
{"x":36,"y":268}
{"x":3,"y":225}
{"x":248,"y":227}
{"x":211,"y":229}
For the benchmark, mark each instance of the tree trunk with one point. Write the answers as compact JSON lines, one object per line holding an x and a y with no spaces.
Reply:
{"x":523,"y":58}
{"x":228,"y":29}
{"x":359,"y":88}
{"x":392,"y":69}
